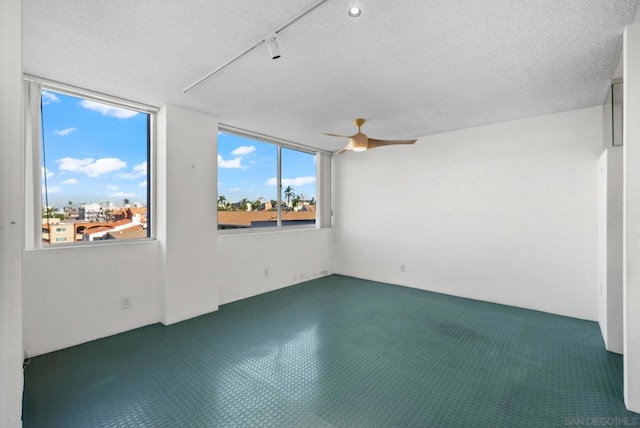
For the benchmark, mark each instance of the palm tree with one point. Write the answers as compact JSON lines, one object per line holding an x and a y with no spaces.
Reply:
{"x":288,"y":195}
{"x":243,"y":204}
{"x":222,"y":203}
{"x":125,"y":201}
{"x":48,"y":212}
{"x":256,"y":205}
{"x":295,"y":201}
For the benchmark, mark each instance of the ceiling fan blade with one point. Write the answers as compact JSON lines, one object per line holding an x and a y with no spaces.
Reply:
{"x":337,"y":135}
{"x":359,"y":142}
{"x":346,"y":148}
{"x":373,"y":143}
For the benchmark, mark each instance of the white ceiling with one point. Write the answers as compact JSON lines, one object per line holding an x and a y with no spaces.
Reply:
{"x":411,"y":67}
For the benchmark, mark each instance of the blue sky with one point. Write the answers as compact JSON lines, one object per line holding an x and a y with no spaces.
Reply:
{"x":247,"y":168}
{"x":94,"y":152}
{"x":98,"y":153}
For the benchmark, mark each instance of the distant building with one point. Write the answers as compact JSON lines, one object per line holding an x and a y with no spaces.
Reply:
{"x":71,"y":212}
{"x":135,"y":214}
{"x":90,"y":212}
{"x":130,"y":233}
{"x":247,"y":219}
{"x":55,"y":232}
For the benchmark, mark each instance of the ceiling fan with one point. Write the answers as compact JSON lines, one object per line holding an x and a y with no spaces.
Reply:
{"x":360,"y":142}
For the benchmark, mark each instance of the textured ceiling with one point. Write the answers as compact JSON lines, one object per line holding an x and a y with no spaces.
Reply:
{"x":412,"y":68}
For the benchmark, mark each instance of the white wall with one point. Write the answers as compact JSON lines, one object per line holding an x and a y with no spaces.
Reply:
{"x":505,"y":213}
{"x":610,"y":246}
{"x":631,"y":136}
{"x":186,"y":207}
{"x":602,"y":244}
{"x":289,"y":257}
{"x":11,"y":224}
{"x":72,"y":294}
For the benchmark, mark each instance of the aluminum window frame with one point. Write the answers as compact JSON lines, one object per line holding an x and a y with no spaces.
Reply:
{"x":281,"y":143}
{"x":33,"y":160}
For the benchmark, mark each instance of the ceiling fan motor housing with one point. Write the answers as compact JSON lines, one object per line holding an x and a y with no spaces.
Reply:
{"x":359,"y":142}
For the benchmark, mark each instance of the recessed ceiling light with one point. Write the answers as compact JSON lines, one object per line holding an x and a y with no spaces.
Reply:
{"x":355,"y":11}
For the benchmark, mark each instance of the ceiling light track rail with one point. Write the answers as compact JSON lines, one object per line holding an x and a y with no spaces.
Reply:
{"x":267,"y":38}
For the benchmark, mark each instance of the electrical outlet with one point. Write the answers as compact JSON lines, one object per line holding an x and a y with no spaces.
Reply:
{"x":401,"y":268}
{"x":125,"y":302}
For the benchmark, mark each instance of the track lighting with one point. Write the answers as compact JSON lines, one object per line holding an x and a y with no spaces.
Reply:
{"x":274,"y":50}
{"x":269,"y":40}
{"x":355,"y":8}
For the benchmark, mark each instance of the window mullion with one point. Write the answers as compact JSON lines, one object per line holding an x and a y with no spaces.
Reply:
{"x":279,"y":175}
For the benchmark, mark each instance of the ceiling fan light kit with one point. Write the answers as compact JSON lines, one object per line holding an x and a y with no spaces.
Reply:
{"x":359,"y":142}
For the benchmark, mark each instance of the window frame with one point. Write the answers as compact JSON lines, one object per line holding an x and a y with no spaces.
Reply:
{"x":33,"y":158}
{"x":280,"y":144}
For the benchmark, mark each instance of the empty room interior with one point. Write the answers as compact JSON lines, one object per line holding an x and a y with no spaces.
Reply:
{"x":320,"y":213}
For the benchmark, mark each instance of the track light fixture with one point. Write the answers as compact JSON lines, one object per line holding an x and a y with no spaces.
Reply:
{"x":274,"y":50}
{"x":269,"y":40}
{"x":355,"y":8}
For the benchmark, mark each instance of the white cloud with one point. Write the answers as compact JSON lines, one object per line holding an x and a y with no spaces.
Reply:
{"x":123,"y":195}
{"x":231,"y":163}
{"x":143,"y":184}
{"x":112,"y":187}
{"x":91,"y":167}
{"x":63,"y":132}
{"x":108,"y":110}
{"x":243,"y":150}
{"x":48,"y":98}
{"x":298,"y":181}
{"x":46,"y":173}
{"x":70,"y":181}
{"x":139,"y":170}
{"x":52,"y":189}
{"x":236,"y":162}
{"x":234,"y":189}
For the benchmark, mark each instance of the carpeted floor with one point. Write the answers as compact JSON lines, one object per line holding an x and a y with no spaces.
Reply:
{"x":337,"y":351}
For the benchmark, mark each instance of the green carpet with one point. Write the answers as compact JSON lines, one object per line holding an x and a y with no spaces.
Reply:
{"x":341,"y":352}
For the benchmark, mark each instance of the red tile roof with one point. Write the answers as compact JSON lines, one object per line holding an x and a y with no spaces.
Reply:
{"x":132,"y":232}
{"x":244,"y":218}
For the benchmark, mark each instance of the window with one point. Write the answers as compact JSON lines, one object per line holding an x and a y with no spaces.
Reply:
{"x":298,"y":187}
{"x":246,"y":197}
{"x":252,"y":193}
{"x":94,"y":167}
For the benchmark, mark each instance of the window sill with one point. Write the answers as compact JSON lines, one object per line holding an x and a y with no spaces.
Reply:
{"x":222,"y":233}
{"x":94,"y":244}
